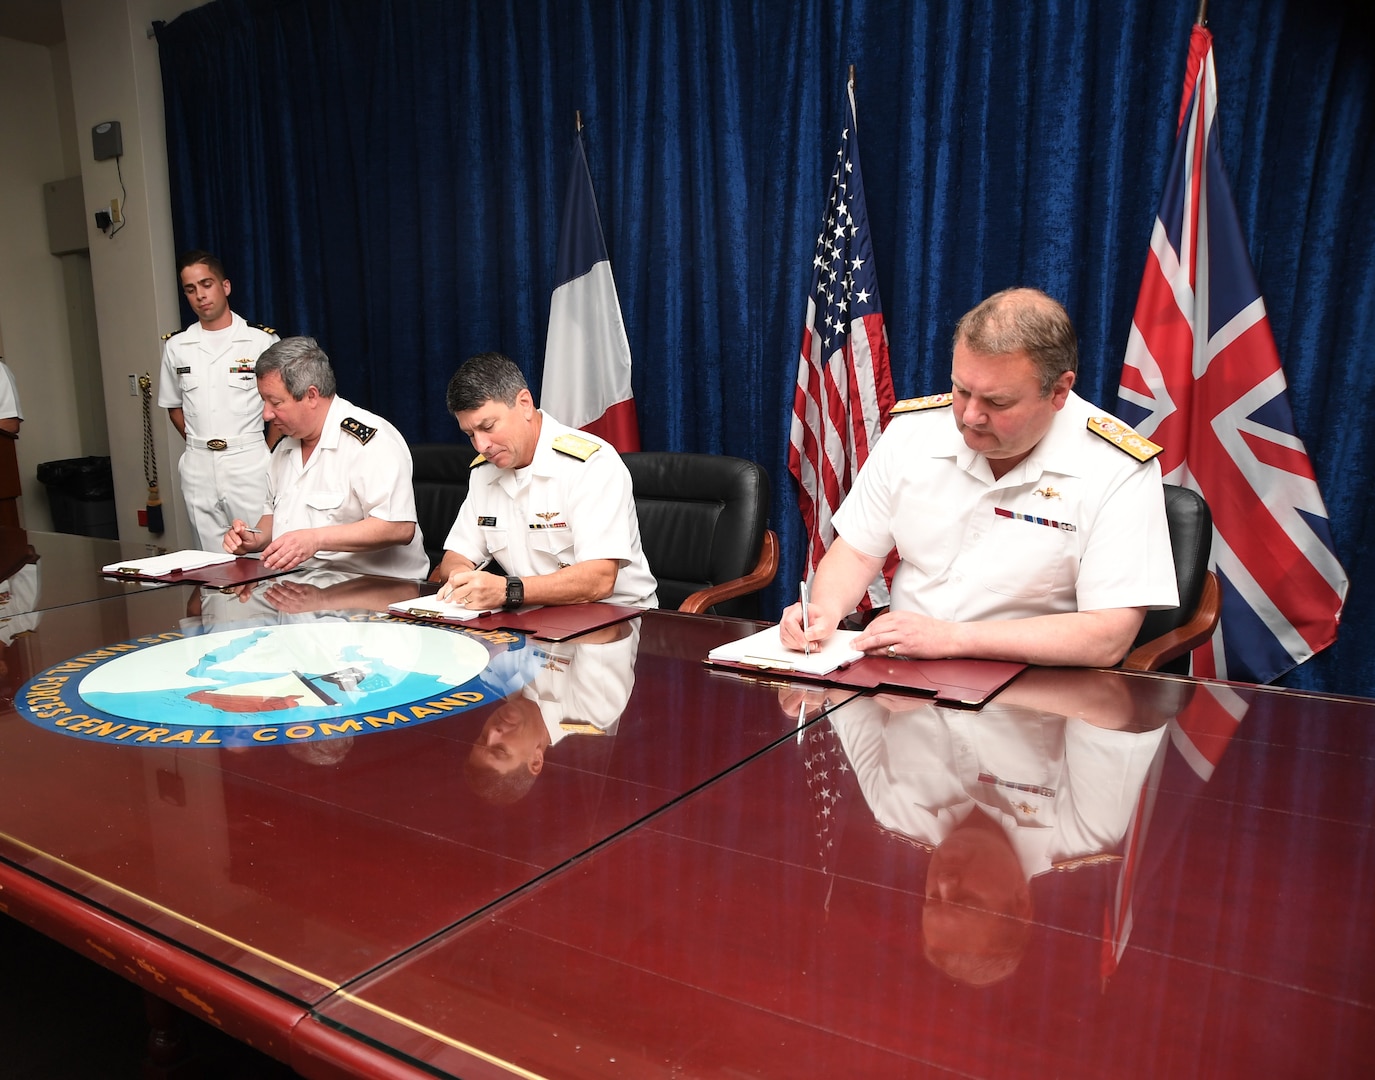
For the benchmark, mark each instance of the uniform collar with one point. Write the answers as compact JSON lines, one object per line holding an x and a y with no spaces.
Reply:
{"x":238,"y":327}
{"x":1059,"y":451}
{"x":329,"y":434}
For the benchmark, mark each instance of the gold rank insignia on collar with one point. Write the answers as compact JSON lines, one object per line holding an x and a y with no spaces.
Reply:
{"x":1123,"y":437}
{"x":575,"y":445}
{"x":921,"y":404}
{"x":357,"y":429}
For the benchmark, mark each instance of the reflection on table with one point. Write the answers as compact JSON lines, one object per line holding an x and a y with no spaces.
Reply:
{"x":1191,"y":863}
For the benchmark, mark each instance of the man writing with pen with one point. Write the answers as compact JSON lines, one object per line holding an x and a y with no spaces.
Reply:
{"x":339,"y":483}
{"x":1030,"y":525}
{"x":552,"y":505}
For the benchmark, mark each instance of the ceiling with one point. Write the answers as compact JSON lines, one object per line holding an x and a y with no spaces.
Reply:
{"x":36,"y":21}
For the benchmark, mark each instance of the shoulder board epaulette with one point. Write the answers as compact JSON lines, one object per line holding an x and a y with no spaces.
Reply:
{"x":580,"y":727}
{"x":172,"y":333}
{"x":1123,"y":437}
{"x":479,"y":460}
{"x":920,"y":404}
{"x":577,"y":446}
{"x":265,"y":329}
{"x":358,"y":429}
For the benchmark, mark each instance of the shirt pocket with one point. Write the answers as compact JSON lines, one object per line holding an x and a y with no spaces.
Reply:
{"x":1028,"y":559}
{"x":494,"y":540}
{"x":556,"y":542}
{"x":242,"y":381}
{"x":323,"y":505}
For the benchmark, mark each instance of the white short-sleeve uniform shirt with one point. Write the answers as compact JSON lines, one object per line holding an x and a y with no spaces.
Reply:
{"x":1077,"y":526}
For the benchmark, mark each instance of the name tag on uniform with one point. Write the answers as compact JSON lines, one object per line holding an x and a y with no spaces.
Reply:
{"x":183,"y":371}
{"x":487,"y":522}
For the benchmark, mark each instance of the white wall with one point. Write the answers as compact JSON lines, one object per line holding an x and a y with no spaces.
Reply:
{"x":33,"y":313}
{"x":115,"y":76}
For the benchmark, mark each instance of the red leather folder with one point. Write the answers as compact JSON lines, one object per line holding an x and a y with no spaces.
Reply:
{"x":552,"y":623}
{"x":966,"y":683}
{"x":225,"y":575}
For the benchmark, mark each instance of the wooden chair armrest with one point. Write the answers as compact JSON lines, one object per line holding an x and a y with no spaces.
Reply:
{"x":763,"y":573}
{"x":1150,"y":655}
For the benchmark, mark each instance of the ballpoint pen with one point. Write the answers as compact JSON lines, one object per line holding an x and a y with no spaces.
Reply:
{"x":806,"y":644}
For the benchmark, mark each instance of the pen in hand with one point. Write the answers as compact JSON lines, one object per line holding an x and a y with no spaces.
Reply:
{"x":806,"y":642}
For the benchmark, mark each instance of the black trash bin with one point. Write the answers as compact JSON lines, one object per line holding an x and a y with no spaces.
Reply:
{"x":81,"y":493}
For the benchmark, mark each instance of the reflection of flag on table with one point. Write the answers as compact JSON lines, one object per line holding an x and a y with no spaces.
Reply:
{"x":844,"y":388}
{"x":1202,"y":377}
{"x":587,"y":355}
{"x":1200,"y":735}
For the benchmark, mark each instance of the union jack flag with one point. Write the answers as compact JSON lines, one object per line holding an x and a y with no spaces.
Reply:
{"x":1202,"y":378}
{"x":844,"y":385}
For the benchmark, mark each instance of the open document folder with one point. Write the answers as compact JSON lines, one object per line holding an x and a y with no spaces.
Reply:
{"x":967,"y":683}
{"x":431,"y":607}
{"x":172,"y":563}
{"x":766,"y":650}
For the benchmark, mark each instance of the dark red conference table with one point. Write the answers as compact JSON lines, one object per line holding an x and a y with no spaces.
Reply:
{"x":696,"y":887}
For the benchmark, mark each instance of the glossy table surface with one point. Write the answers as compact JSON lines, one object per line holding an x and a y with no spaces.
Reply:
{"x":1099,"y":874}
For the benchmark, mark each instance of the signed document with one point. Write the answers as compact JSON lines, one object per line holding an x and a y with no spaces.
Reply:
{"x":766,"y":650}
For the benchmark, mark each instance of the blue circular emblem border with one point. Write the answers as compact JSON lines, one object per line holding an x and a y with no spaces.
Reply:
{"x":52,"y":699}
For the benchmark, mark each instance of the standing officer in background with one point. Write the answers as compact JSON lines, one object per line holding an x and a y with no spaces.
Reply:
{"x":211,"y":397}
{"x":339,"y":484}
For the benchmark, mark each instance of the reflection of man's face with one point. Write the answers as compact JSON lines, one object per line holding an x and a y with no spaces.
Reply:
{"x":976,"y":902}
{"x":513,"y":738}
{"x":509,"y":752}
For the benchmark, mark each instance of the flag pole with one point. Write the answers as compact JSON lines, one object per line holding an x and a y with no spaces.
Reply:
{"x":577,"y":113}
{"x":1200,"y":21}
{"x":852,"y":71}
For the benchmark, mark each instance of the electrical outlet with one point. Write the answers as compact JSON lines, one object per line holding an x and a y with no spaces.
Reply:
{"x":115,"y":212}
{"x":133,"y":386}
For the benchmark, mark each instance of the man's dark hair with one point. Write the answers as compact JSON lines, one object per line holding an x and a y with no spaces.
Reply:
{"x":196,"y":257}
{"x":1023,"y":320}
{"x":488,"y":376}
{"x":301,"y":363}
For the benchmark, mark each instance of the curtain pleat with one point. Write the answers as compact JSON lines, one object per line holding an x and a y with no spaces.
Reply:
{"x":387,"y":176}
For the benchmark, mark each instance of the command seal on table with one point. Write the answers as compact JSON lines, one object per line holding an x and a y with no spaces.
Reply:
{"x":253,"y":685}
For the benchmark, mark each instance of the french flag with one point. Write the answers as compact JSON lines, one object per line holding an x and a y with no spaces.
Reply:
{"x":587,"y":354}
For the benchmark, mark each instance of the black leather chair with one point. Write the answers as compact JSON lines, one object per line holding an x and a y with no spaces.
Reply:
{"x":704,"y":527}
{"x":1167,"y":637}
{"x":439,"y":475}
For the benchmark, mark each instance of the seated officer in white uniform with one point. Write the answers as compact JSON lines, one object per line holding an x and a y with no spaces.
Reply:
{"x":339,"y":484}
{"x":554,"y":506}
{"x":1032,"y":528}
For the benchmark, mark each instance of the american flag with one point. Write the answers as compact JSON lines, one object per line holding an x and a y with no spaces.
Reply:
{"x":844,"y":387}
{"x":1202,"y":378}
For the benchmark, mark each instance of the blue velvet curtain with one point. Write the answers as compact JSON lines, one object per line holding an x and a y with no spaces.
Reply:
{"x":387,"y":175}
